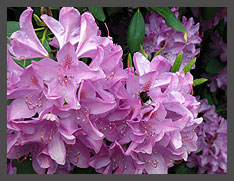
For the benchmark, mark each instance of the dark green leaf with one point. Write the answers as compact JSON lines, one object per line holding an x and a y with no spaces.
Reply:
{"x":12,"y":26}
{"x":81,"y":9}
{"x":130,"y":60}
{"x":136,"y":32}
{"x":47,"y":47}
{"x":208,"y":13}
{"x":220,"y":27}
{"x":214,"y":66}
{"x":25,"y":167}
{"x":177,"y":63}
{"x":112,"y":10}
{"x":9,"y":101}
{"x":199,"y":81}
{"x":189,"y":66}
{"x":98,"y":13}
{"x":169,"y":18}
{"x":26,"y":62}
{"x":183,"y":169}
{"x":208,"y":96}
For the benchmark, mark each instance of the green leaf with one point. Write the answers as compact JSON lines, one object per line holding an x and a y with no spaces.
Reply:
{"x":12,"y":26}
{"x":220,"y":27}
{"x":183,"y":169}
{"x":189,"y":66}
{"x":81,"y":9}
{"x":26,"y":61}
{"x":208,"y":96}
{"x":142,"y":51}
{"x":98,"y":13}
{"x":199,"y":81}
{"x":208,"y":13}
{"x":177,"y":63}
{"x":136,"y":32}
{"x":113,"y":10}
{"x":157,"y":53}
{"x":130,"y":60}
{"x":25,"y":167}
{"x":169,"y":18}
{"x":9,"y":101}
{"x":214,"y":66}
{"x":54,"y":8}
{"x":47,"y":47}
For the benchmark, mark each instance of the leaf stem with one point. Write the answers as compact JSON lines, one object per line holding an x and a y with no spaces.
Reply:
{"x":39,"y":29}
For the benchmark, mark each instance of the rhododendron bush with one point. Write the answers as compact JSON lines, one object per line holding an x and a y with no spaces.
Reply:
{"x":116,"y":90}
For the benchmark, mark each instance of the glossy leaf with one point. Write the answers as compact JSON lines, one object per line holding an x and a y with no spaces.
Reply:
{"x":9,"y":101}
{"x":214,"y":66}
{"x":12,"y":26}
{"x":169,"y":18}
{"x":25,"y":167}
{"x":189,"y":66}
{"x":136,"y":32}
{"x":130,"y":60}
{"x":98,"y":13}
{"x":177,"y":63}
{"x":183,"y":169}
{"x":199,"y":81}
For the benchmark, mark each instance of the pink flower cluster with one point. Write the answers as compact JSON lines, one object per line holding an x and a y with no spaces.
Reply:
{"x":66,"y":113}
{"x":160,"y":35}
{"x":211,"y":155}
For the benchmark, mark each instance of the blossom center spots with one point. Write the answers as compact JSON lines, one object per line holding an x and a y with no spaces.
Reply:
{"x":68,"y":62}
{"x":34,"y":80}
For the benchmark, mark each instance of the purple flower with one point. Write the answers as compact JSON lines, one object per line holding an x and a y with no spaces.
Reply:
{"x":160,"y":35}
{"x":14,"y":72}
{"x":171,"y":116}
{"x":25,"y":44}
{"x":62,"y":78}
{"x":211,"y":156}
{"x":29,"y":98}
{"x":112,"y":159}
